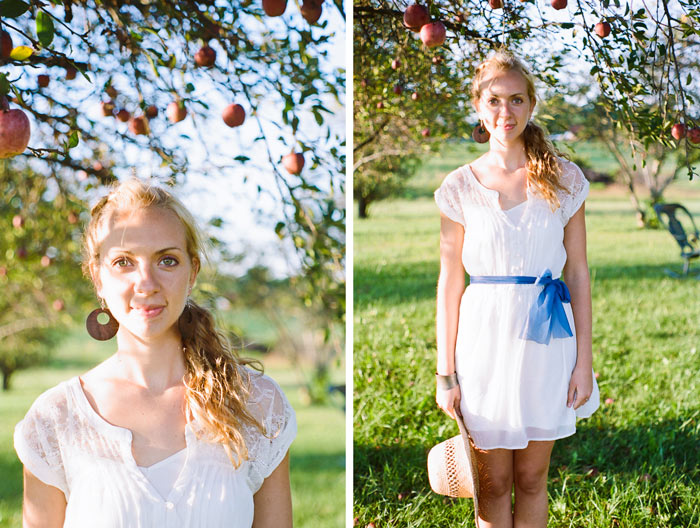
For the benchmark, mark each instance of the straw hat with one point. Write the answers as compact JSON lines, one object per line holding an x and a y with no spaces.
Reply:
{"x":452,"y":467}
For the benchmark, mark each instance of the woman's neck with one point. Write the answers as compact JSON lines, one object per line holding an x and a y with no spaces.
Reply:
{"x":155,"y":364}
{"x":509,"y":157}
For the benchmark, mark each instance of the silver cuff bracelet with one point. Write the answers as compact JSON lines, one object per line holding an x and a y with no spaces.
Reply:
{"x":446,"y":382}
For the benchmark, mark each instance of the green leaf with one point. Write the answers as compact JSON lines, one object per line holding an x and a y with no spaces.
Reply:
{"x":44,"y":28}
{"x":73,"y":139}
{"x":21,"y":53}
{"x":189,"y":88}
{"x":4,"y":84}
{"x":242,"y":159}
{"x":689,"y":79}
{"x":13,"y":8}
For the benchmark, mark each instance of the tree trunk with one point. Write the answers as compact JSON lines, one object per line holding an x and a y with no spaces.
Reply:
{"x":363,"y":205}
{"x":6,"y":374}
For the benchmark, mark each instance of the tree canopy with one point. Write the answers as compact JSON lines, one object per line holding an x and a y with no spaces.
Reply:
{"x":637,"y":55}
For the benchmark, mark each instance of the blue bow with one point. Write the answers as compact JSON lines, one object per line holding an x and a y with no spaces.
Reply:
{"x":547,"y":317}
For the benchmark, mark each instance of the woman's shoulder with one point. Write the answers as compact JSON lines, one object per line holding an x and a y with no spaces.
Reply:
{"x":266,"y":399}
{"x":55,"y":403}
{"x":571,"y":174}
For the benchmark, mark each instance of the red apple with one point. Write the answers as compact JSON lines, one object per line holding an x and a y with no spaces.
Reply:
{"x":437,"y":59}
{"x":43,"y":80}
{"x":395,"y":64}
{"x":176,"y":111}
{"x":678,"y":131}
{"x":233,"y":115}
{"x":694,"y":135}
{"x":380,"y":105}
{"x":558,"y":4}
{"x":45,"y":261}
{"x":107,"y":108}
{"x":73,"y":217}
{"x":123,"y":115}
{"x":311,"y":10}
{"x":415,"y":96}
{"x":274,"y":7}
{"x":205,"y":57}
{"x":14,"y":132}
{"x":17,"y":221}
{"x":397,"y":89}
{"x":5,"y":45}
{"x":22,"y":252}
{"x":602,"y":29}
{"x":496,"y":4}
{"x":293,"y":162}
{"x":425,"y":132}
{"x":151,"y":111}
{"x":415,"y":17}
{"x":433,"y":34}
{"x":3,"y":271}
{"x":58,"y":305}
{"x":139,"y":125}
{"x":71,"y":73}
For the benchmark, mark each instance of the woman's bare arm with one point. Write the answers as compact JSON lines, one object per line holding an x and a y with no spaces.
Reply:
{"x":44,"y":506}
{"x":273,"y":501}
{"x":577,"y":279}
{"x":449,"y":294}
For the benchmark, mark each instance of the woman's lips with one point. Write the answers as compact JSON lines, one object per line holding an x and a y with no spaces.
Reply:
{"x":149,"y":311}
{"x":509,"y":127}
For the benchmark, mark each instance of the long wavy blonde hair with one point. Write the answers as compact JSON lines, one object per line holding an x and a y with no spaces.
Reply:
{"x":543,"y":168}
{"x":217,"y":387}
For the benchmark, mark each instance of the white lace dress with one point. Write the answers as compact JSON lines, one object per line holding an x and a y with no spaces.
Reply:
{"x":66,"y":444}
{"x":513,"y":390}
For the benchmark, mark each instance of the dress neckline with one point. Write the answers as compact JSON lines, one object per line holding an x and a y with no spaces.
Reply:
{"x":493,"y":193}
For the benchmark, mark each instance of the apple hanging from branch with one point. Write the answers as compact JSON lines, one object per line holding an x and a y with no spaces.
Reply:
{"x":233,"y":115}
{"x":433,"y":34}
{"x":14,"y":130}
{"x":415,"y":17}
{"x":293,"y":162}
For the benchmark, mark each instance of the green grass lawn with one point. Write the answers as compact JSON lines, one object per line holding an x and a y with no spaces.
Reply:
{"x":317,"y":455}
{"x":633,"y":464}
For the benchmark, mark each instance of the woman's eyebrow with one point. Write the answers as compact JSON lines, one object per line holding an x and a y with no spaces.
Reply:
{"x":128,"y":252}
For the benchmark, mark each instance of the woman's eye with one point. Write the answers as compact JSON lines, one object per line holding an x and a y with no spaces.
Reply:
{"x":121,"y":263}
{"x":169,"y":261}
{"x":517,"y":100}
{"x":493,"y":101}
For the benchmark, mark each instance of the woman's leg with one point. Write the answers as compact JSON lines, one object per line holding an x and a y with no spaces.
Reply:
{"x":495,"y":488}
{"x":530,"y":468}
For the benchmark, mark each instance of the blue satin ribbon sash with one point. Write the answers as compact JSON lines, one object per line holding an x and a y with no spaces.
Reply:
{"x":546,"y":318}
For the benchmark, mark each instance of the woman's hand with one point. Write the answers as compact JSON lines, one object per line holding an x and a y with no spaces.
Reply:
{"x":580,"y":386}
{"x":448,"y":400}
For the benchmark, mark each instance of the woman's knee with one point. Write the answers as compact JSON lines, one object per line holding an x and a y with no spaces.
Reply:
{"x":531,"y":479}
{"x":495,"y":483}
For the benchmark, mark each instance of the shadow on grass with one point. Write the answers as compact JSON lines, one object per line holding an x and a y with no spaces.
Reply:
{"x":401,"y":283}
{"x":315,"y":462}
{"x":648,"y":456}
{"x":396,"y":283}
{"x":11,"y":481}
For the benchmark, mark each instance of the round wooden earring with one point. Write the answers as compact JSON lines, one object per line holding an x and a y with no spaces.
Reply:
{"x":480,"y":134}
{"x":186,"y":323}
{"x":101,"y":332}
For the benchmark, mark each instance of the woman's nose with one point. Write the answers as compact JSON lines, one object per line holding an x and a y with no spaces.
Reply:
{"x":145,"y":279}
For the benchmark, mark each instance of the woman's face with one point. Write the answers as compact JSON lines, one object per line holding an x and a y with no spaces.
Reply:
{"x":504,"y":106}
{"x":144,"y":273}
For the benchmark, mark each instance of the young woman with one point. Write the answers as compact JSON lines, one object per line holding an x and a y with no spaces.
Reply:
{"x":173,"y":429}
{"x":514,"y":347}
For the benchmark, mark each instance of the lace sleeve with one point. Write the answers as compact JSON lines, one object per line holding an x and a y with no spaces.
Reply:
{"x":269,"y":404}
{"x":36,"y":441}
{"x":577,"y":185}
{"x":448,"y":198}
